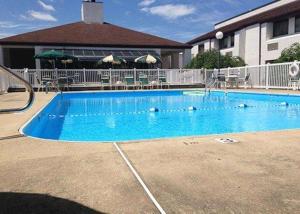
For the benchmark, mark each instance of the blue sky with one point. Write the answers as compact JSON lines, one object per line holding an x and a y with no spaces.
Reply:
{"x":179,"y":20}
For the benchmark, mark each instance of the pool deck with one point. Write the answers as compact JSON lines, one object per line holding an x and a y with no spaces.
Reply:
{"x":260,"y":174}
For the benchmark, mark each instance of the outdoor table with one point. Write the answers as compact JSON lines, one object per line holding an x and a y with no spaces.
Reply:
{"x":232,"y":79}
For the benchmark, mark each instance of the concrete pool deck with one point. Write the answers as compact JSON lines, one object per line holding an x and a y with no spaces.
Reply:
{"x":186,"y":175}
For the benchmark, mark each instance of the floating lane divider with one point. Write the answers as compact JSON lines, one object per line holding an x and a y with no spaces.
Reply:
{"x":140,"y":180}
{"x":189,"y":109}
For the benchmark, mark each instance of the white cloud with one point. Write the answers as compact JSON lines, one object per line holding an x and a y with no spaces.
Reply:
{"x":45,"y":6}
{"x":7,"y":24}
{"x":146,"y":3}
{"x":170,"y":11}
{"x":37,"y":15}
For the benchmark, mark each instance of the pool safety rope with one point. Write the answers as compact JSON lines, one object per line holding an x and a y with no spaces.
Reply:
{"x":54,"y":116}
{"x":140,"y":180}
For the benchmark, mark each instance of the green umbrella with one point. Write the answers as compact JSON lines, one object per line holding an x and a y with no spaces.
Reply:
{"x":53,"y":55}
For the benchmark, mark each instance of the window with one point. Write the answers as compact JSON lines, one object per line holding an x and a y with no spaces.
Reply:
{"x":281,"y":28}
{"x":201,"y":49}
{"x":232,"y":40}
{"x":227,"y":41}
{"x":297,"y":25}
{"x":224,"y":43}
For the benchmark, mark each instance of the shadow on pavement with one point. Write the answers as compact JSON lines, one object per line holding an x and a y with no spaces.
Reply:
{"x":17,"y":203}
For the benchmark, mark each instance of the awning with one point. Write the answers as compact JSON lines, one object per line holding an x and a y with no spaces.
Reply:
{"x":96,"y":55}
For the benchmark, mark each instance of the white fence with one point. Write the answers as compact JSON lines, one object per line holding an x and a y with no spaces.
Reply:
{"x":270,"y":76}
{"x":95,"y":77}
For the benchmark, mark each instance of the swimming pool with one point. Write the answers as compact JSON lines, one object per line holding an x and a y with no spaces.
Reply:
{"x":126,"y":116}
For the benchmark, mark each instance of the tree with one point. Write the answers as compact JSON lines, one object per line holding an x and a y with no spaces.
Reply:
{"x":290,"y":54}
{"x":209,"y":60}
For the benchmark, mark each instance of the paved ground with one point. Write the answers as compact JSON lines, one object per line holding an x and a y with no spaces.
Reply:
{"x":187,"y":175}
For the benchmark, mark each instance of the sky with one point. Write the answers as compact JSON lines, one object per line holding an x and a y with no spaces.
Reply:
{"x":180,"y":20}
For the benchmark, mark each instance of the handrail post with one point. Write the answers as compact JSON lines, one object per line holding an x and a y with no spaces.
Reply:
{"x":28,"y":87}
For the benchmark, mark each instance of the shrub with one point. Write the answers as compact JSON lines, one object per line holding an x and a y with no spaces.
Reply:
{"x":209,"y":60}
{"x":290,"y":54}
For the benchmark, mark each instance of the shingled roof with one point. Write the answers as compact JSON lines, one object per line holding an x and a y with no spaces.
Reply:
{"x":95,"y":35}
{"x":271,"y":15}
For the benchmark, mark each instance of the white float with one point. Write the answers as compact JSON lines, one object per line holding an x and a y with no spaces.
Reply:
{"x":153,"y":109}
{"x":243,"y":106}
{"x":192,"y":108}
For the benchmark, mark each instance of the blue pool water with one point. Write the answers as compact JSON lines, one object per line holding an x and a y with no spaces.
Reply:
{"x":125,"y":116}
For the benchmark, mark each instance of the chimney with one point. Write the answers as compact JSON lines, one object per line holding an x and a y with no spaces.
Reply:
{"x":92,"y":11}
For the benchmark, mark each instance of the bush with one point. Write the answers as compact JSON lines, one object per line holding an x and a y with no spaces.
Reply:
{"x":290,"y":54}
{"x":209,"y":60}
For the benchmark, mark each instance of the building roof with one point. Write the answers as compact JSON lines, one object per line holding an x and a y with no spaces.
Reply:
{"x":271,"y":15}
{"x":94,"y":35}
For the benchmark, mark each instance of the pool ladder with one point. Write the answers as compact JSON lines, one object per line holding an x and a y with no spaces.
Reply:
{"x":28,"y":87}
{"x":211,"y":84}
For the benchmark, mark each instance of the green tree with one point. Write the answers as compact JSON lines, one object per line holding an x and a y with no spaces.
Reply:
{"x":209,"y":60}
{"x":290,"y":54}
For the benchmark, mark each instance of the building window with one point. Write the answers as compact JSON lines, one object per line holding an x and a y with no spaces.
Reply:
{"x":201,"y":49}
{"x":281,"y":28}
{"x":227,"y":42}
{"x":224,"y":43}
{"x":232,"y":40}
{"x":297,"y":25}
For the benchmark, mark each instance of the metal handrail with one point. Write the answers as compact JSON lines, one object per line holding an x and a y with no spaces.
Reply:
{"x":27,"y":86}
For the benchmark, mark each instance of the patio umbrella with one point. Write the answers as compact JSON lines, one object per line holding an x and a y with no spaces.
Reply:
{"x":66,"y":61}
{"x":114,"y":60}
{"x":53,"y":55}
{"x":148,"y":59}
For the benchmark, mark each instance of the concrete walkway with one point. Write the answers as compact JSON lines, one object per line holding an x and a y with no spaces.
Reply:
{"x":186,"y":175}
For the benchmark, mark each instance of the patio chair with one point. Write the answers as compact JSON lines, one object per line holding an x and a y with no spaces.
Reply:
{"x":105,"y":81}
{"x":244,"y":81}
{"x":231,"y":80}
{"x":144,"y":81}
{"x":65,"y":82}
{"x":119,"y":84}
{"x":163,"y":81}
{"x":294,"y":83}
{"x":129,"y":82}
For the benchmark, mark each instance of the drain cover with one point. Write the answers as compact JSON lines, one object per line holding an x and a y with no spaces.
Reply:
{"x":226,"y":140}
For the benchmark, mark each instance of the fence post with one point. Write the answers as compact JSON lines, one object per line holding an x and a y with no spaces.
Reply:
{"x":246,"y":73}
{"x":205,"y":76}
{"x":267,"y":76}
{"x":110,"y":82}
{"x":180,"y":76}
{"x":26,"y":75}
{"x":158,"y":74}
{"x":134,"y":76}
{"x":84,"y":77}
